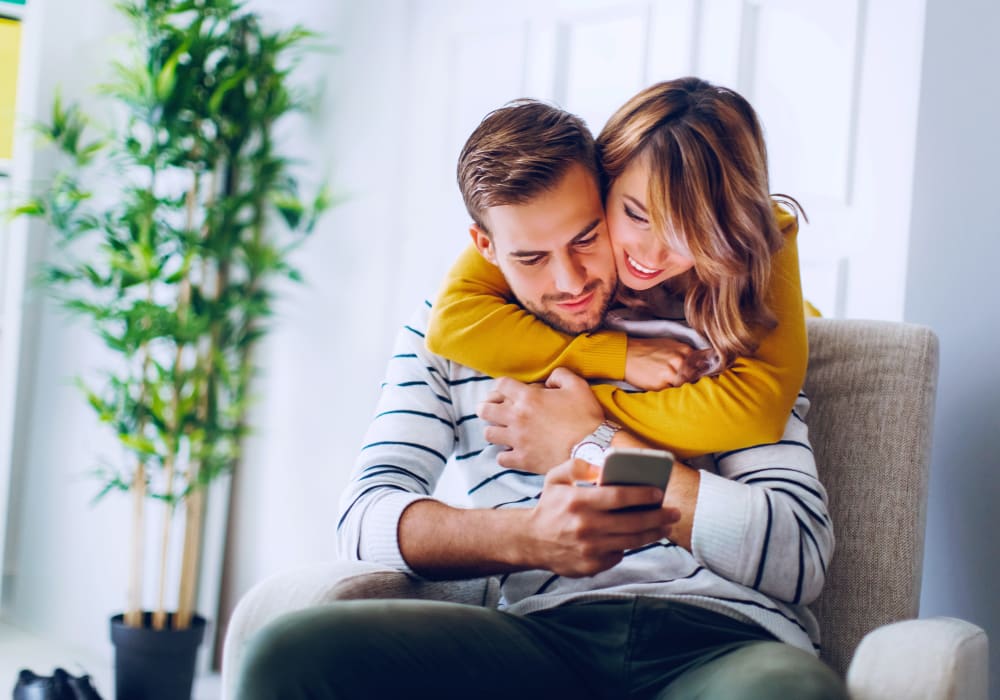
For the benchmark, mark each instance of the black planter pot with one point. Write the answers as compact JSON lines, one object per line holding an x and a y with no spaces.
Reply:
{"x":155,"y":664}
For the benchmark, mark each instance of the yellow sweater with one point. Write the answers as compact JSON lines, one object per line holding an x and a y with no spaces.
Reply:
{"x":748,"y":404}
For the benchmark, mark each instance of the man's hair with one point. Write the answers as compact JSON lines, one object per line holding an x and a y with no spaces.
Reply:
{"x":520,"y":151}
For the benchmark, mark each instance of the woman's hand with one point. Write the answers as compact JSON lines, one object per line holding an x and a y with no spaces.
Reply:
{"x":540,"y":423}
{"x":652,"y":364}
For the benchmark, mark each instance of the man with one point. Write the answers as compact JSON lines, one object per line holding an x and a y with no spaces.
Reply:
{"x":596,"y":600}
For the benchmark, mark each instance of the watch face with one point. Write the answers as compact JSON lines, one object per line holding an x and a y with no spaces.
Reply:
{"x":589,"y":452}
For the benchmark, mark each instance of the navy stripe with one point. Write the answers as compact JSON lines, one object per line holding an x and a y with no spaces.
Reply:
{"x":419,"y":382}
{"x":414,"y":330}
{"x":552,"y":579}
{"x":357,"y":498}
{"x":466,"y":380}
{"x":822,"y":520}
{"x":505,"y":472}
{"x":417,"y":413}
{"x":469,"y":455}
{"x":743,"y":475}
{"x":811,"y":536}
{"x":802,"y":575}
{"x":520,"y":500}
{"x":429,"y":305}
{"x":782,"y":480}
{"x":766,"y":444}
{"x":404,"y":355}
{"x":390,"y":469}
{"x":795,"y":413}
{"x":767,"y":539}
{"x":651,"y":545}
{"x":414,"y":445}
{"x":465,"y":418}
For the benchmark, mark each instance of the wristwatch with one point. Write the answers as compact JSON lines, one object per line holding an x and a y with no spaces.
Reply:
{"x":592,"y":448}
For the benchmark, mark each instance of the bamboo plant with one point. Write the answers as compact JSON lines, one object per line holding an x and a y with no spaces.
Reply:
{"x":174,"y":225}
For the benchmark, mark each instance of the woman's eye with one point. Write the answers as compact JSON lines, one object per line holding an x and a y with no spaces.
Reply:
{"x":634,"y":216}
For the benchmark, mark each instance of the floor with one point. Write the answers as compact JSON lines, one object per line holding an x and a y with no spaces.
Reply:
{"x":18,"y":650}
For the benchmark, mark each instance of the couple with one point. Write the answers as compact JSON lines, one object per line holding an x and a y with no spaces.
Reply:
{"x":668,"y":223}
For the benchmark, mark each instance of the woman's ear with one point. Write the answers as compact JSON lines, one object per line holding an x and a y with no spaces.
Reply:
{"x":483,"y":242}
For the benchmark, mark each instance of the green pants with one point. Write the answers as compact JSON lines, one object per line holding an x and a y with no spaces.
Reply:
{"x":641,"y":648}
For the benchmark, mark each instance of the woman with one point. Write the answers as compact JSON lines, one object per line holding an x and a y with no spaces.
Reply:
{"x":695,"y":233}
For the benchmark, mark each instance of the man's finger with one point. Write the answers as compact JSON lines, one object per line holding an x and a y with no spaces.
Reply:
{"x":572,"y":471}
{"x":508,"y":388}
{"x":494,"y":397}
{"x":497,"y":435}
{"x":618,"y":497}
{"x":561,"y":377}
{"x":490,"y":412}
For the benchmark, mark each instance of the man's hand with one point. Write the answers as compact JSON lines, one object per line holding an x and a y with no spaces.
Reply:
{"x":575,"y":529}
{"x":540,"y":424}
{"x":652,"y":364}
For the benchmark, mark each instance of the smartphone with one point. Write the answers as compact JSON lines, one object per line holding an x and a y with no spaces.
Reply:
{"x":634,"y":466}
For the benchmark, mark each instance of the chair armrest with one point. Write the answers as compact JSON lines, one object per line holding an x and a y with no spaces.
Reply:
{"x":940,"y":657}
{"x":324,"y":583}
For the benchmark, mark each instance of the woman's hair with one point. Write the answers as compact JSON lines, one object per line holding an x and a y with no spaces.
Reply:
{"x":708,"y":190}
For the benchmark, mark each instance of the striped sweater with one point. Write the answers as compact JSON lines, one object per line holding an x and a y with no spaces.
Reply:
{"x":761,"y":538}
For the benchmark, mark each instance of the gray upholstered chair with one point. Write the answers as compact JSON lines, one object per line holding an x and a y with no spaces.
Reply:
{"x":872,"y":386}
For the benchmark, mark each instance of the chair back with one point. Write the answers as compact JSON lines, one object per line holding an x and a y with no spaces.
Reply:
{"x":872,"y":386}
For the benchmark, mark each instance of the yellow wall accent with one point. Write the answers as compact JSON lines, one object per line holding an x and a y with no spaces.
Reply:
{"x":10,"y":44}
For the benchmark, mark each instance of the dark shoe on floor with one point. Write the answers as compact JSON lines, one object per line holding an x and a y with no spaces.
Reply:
{"x":59,"y":686}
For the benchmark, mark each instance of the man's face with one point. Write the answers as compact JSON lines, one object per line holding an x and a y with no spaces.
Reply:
{"x":555,"y":253}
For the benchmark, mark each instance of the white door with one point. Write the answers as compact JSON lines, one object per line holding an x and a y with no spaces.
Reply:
{"x":835,"y":84}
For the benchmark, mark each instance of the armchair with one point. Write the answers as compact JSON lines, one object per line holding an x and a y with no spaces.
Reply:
{"x":872,"y":386}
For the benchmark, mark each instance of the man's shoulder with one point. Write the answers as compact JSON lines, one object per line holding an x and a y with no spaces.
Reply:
{"x":414,"y":334}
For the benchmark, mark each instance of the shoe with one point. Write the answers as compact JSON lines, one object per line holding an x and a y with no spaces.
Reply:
{"x":79,"y":687}
{"x":59,"y":686}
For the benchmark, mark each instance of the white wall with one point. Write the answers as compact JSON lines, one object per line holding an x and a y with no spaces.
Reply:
{"x":63,"y":559}
{"x":954,"y":258}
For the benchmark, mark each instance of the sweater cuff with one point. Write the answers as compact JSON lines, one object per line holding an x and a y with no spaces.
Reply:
{"x":721,"y":515}
{"x":380,"y":536}
{"x":604,"y":355}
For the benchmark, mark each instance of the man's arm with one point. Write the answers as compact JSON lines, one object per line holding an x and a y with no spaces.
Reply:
{"x":573,"y":531}
{"x":388,"y":516}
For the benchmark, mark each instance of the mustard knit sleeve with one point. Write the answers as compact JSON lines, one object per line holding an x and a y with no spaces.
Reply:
{"x":476,"y":322}
{"x":748,"y":404}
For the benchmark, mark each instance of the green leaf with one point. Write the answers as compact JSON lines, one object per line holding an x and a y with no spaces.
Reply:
{"x":138,"y":443}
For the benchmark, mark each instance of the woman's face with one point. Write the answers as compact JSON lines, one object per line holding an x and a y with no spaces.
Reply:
{"x":642,"y":257}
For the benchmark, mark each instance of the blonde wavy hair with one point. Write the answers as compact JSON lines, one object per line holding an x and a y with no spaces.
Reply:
{"x":708,"y":186}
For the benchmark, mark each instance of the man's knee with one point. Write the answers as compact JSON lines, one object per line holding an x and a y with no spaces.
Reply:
{"x":269,"y":658}
{"x":774,"y":670}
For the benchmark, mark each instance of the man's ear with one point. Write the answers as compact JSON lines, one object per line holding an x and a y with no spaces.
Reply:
{"x":483,"y":243}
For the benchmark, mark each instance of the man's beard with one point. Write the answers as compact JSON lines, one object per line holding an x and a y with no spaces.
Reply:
{"x":555,"y":320}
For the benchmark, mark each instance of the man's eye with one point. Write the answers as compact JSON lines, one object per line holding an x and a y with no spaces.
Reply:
{"x":584,"y":242}
{"x":531,"y":261}
{"x":634,"y":216}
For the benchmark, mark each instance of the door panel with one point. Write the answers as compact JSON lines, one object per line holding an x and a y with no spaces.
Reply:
{"x":837,"y":142}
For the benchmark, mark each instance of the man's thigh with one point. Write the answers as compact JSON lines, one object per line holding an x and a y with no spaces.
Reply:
{"x":757,"y":671}
{"x":390,"y":648}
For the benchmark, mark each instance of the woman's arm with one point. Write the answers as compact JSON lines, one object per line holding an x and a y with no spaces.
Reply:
{"x":745,"y":405}
{"x":749,"y":403}
{"x":476,"y":316}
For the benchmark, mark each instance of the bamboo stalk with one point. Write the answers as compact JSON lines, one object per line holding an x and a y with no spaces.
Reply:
{"x":194,"y":519}
{"x":133,"y":612}
{"x":194,"y":503}
{"x":160,"y":614}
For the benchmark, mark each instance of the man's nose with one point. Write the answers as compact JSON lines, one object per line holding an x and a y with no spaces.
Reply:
{"x":571,"y":276}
